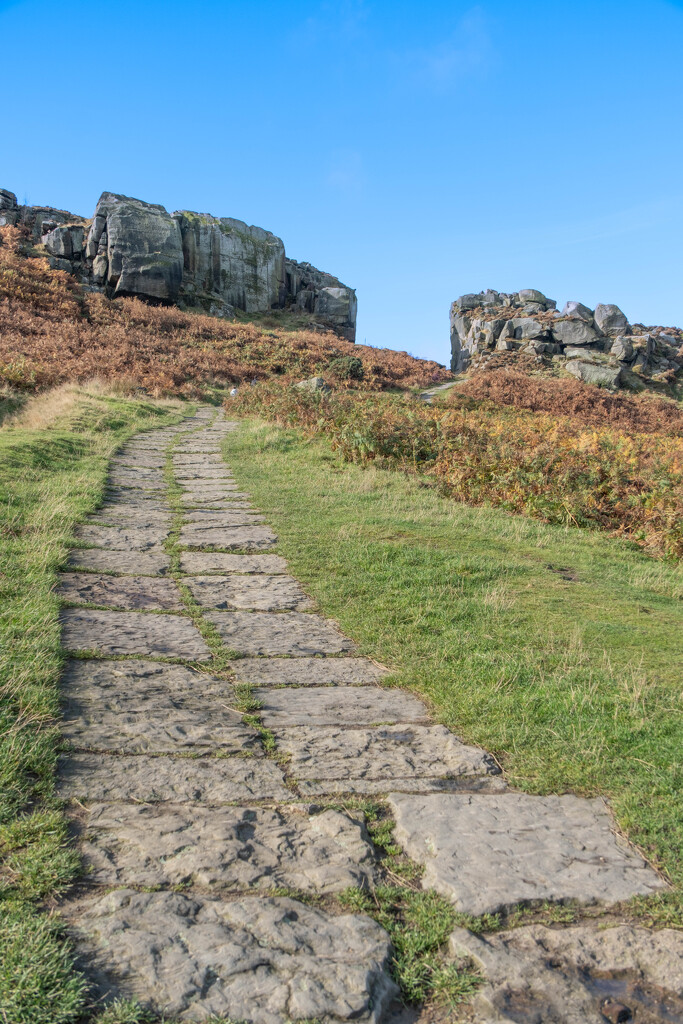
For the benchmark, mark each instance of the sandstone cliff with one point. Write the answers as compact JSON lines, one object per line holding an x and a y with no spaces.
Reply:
{"x":197,"y":261}
{"x":596,"y":345}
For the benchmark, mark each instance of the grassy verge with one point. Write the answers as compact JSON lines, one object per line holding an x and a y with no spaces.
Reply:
{"x":557,"y":649}
{"x":53,"y":463}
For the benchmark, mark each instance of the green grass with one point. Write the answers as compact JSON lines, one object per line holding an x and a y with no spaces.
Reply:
{"x":52,"y":472}
{"x":559,"y":650}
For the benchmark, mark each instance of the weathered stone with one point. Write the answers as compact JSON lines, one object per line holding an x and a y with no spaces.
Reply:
{"x":228,"y":263}
{"x":137,"y":460}
{"x":338,"y":705}
{"x":122,"y":538}
{"x":260,"y":593}
{"x":114,"y":633}
{"x":322,"y":294}
{"x":204,"y":780}
{"x":308,"y":671}
{"x":8,"y":200}
{"x":151,"y":563}
{"x":132,"y":592}
{"x":611,"y":320}
{"x":214,"y":515}
{"x":205,"y":520}
{"x":213,"y":500}
{"x":601,"y":374}
{"x":393,"y":756}
{"x":313,"y":384}
{"x":154,"y":731}
{"x":65,"y":240}
{"x":544,"y":975}
{"x":216,"y":562}
{"x":574,"y":332}
{"x":532,"y":295}
{"x":527,"y":327}
{"x":263,"y":960}
{"x":578,"y":311}
{"x":488,"y":852}
{"x":122,"y":687}
{"x":225,"y":847}
{"x":131,"y":515}
{"x":235,"y":538}
{"x":201,"y":473}
{"x":143,"y":247}
{"x":131,"y":476}
{"x":294,"y":633}
{"x":622,"y":349}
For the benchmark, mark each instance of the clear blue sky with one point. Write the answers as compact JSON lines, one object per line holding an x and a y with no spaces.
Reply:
{"x":416,"y":151}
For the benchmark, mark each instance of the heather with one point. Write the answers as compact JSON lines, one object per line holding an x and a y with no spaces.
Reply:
{"x":53,"y":332}
{"x":557,"y":468}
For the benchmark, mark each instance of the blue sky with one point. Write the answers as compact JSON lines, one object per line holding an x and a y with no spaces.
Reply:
{"x":416,"y":151}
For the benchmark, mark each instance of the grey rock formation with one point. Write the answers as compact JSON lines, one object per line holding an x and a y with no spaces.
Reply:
{"x":225,"y":847}
{"x":594,"y":373}
{"x":136,"y":248}
{"x":611,"y":320}
{"x":261,"y":960}
{"x":561,"y":976}
{"x":622,"y":349}
{"x":574,"y":332}
{"x":488,"y":853}
{"x":215,"y":264}
{"x":228,"y":263}
{"x":578,"y":311}
{"x":314,"y":385}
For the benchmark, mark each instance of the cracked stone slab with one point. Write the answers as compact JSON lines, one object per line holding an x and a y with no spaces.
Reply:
{"x":226,"y":847}
{"x":487,"y":852}
{"x":204,"y":562}
{"x":149,"y":563}
{"x":135,"y":517}
{"x":131,"y":592}
{"x":122,"y":538}
{"x":120,"y":509}
{"x":206,"y":515}
{"x":234,"y":538}
{"x":156,"y":484}
{"x":308,"y":671}
{"x":294,"y":633}
{"x":202,"y":780}
{"x":262,"y":593}
{"x":129,"y":460}
{"x":194,"y":460}
{"x":132,"y":685}
{"x":155,"y":731}
{"x":211,"y":523}
{"x":544,"y":975}
{"x":265,"y":960}
{"x":131,"y":496}
{"x":381,"y":755}
{"x":163,"y":636}
{"x":338,"y":705}
{"x":214,"y":501}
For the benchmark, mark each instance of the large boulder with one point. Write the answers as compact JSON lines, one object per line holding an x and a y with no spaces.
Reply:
{"x":227,"y":261}
{"x":316,"y":292}
{"x":602,"y":374}
{"x":65,"y":241}
{"x":532,"y":295}
{"x":611,"y":320}
{"x":8,"y":200}
{"x":578,"y":311}
{"x":138,"y":248}
{"x":622,"y":349}
{"x":527,"y":327}
{"x":574,"y":332}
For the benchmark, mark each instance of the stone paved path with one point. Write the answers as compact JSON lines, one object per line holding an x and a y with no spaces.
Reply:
{"x":171,"y":789}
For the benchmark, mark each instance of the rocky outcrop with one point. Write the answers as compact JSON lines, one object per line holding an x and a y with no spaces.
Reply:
{"x":215,"y":264}
{"x":598,"y":346}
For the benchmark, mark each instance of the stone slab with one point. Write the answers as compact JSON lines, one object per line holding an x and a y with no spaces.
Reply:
{"x":294,"y":633}
{"x":160,"y":731}
{"x":381,"y":754}
{"x":577,"y":975}
{"x":116,"y":633}
{"x":338,"y":705}
{"x":225,"y":847}
{"x":213,"y":515}
{"x":132,"y":592}
{"x":213,"y":501}
{"x":133,"y":496}
{"x":204,"y":562}
{"x":143,"y":686}
{"x":123,"y":516}
{"x":197,"y":473}
{"x":202,"y":780}
{"x":122,"y":538}
{"x":198,"y":460}
{"x":265,"y":961}
{"x":144,"y":460}
{"x":260,"y":593}
{"x":308,"y":671}
{"x":488,"y":853}
{"x":216,"y":520}
{"x":151,"y":563}
{"x":232,"y":538}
